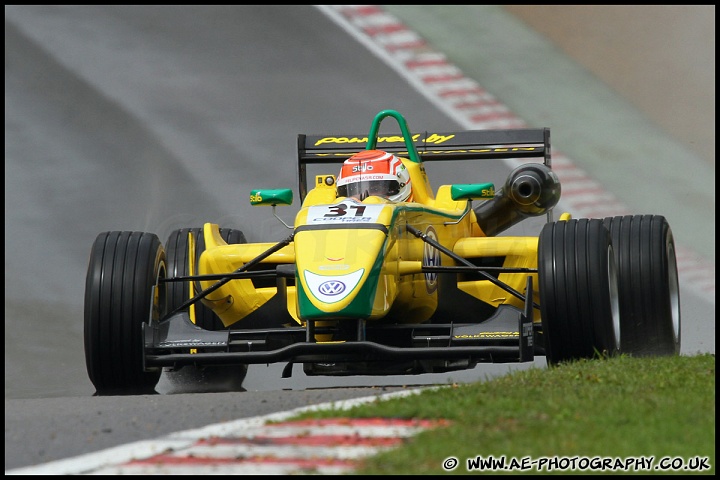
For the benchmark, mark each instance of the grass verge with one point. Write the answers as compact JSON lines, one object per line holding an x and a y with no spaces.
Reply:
{"x":612,"y":410}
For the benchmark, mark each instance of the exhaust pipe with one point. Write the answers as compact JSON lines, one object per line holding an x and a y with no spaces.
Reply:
{"x":530,"y":190}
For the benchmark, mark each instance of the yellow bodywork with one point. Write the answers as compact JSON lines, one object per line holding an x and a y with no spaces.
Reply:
{"x":519,"y":252}
{"x":334,"y":260}
{"x":237,"y":298}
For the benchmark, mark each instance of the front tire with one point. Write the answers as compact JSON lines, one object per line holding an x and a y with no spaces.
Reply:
{"x":178,"y":260}
{"x":578,"y":291}
{"x":648,"y":284}
{"x":191,"y":378}
{"x":123,"y":268}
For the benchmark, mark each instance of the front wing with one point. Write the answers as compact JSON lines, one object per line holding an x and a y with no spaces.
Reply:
{"x":508,"y":336}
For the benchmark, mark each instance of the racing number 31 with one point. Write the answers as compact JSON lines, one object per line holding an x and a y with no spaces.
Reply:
{"x":340,"y":210}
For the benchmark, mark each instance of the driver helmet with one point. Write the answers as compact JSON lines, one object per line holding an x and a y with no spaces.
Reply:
{"x":374,"y":172}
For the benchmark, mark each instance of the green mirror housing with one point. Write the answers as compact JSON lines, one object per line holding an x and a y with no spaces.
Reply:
{"x":280,"y":196}
{"x":471,"y":191}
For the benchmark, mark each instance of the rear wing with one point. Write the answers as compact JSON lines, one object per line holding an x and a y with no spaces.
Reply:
{"x":422,"y":147}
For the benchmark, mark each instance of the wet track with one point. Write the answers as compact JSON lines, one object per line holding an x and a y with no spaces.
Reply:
{"x":155,"y":118}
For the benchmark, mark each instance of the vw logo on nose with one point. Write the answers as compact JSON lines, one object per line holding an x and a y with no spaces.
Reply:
{"x":331,"y":287}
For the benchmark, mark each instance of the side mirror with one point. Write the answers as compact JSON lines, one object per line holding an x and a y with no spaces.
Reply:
{"x":471,"y":191}
{"x":281,"y":196}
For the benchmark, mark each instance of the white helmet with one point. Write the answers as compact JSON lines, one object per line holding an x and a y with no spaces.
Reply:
{"x":375,"y":172}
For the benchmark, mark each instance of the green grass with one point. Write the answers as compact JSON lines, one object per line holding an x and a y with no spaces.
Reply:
{"x":613,"y":408}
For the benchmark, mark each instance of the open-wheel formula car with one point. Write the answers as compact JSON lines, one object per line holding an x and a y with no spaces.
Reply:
{"x":377,"y":287}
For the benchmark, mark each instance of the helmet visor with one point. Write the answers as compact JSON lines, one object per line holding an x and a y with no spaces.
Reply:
{"x":365,"y":188}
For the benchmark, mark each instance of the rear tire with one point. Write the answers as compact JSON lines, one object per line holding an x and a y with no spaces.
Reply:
{"x":578,"y":291}
{"x":647,"y":283}
{"x":177,"y":247}
{"x":124,"y":266}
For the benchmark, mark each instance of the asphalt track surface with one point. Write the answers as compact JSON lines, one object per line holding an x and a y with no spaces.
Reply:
{"x":155,"y":118}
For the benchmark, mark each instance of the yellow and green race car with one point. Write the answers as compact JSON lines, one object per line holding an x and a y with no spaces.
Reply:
{"x":373,"y":286}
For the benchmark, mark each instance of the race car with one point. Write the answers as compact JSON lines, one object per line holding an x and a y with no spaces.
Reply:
{"x":376,"y":286}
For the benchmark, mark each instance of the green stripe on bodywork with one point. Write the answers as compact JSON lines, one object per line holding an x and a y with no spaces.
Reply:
{"x":420,"y":208}
{"x":360,"y":307}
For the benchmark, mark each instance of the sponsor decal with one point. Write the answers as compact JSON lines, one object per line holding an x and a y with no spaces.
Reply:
{"x":332,"y":289}
{"x":434,"y":138}
{"x":527,"y":331}
{"x":429,"y":153}
{"x":345,"y":212}
{"x":191,"y":343}
{"x":365,"y":167}
{"x":431,"y":258}
{"x":343,"y":266}
{"x":490,"y":335}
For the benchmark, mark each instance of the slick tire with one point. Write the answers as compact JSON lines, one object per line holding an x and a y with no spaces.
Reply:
{"x":178,"y":251}
{"x":191,"y":378}
{"x":647,"y":283}
{"x":579,"y":301}
{"x":123,"y":268}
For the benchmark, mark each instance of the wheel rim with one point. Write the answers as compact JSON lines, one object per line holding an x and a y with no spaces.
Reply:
{"x":614,"y":297}
{"x":159,"y":307}
{"x":674,"y":292}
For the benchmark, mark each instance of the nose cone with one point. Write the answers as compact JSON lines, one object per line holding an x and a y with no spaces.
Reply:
{"x":330,"y":289}
{"x":337,"y":271}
